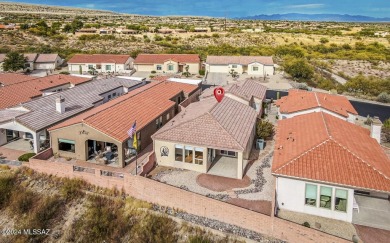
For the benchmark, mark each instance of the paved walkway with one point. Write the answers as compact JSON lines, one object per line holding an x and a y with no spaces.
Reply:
{"x":373,"y":212}
{"x":10,"y":154}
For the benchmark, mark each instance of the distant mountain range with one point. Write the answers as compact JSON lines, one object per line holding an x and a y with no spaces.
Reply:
{"x":317,"y":17}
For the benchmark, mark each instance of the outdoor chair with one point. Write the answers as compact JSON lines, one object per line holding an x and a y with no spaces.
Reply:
{"x":355,"y":205}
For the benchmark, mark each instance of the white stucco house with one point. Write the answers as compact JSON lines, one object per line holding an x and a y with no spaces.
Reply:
{"x":47,"y":62}
{"x":102,"y":63}
{"x":300,"y":102}
{"x":261,"y":66}
{"x":321,"y":164}
{"x":167,"y":63}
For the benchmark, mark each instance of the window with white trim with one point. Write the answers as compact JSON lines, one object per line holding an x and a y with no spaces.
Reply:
{"x":229,"y":153}
{"x":341,"y":201}
{"x":189,"y":154}
{"x":234,"y":65}
{"x":311,"y":195}
{"x":198,"y":156}
{"x":325,"y":197}
{"x":255,"y":69}
{"x":159,"y":67}
{"x":179,"y":153}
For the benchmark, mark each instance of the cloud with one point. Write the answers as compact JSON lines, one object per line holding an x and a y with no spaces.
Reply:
{"x":312,"y":5}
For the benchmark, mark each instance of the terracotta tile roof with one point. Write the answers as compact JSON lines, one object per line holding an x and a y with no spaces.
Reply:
{"x":116,"y":117}
{"x":247,"y":89}
{"x":15,"y":94}
{"x":243,"y":60}
{"x":225,"y":125}
{"x":99,"y":58}
{"x":13,"y":78}
{"x":320,"y":147}
{"x":161,"y":58}
{"x":299,"y":100}
{"x":42,"y":58}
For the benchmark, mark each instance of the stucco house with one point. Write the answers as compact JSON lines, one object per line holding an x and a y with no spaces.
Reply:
{"x":105,"y":63}
{"x":100,"y":135}
{"x":167,"y":63}
{"x":261,"y":66}
{"x":300,"y":102}
{"x":321,"y":164}
{"x":47,"y":62}
{"x":249,"y":92}
{"x":208,"y":137}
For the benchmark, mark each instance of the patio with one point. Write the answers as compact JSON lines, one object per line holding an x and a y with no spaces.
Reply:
{"x":20,"y":144}
{"x":224,"y":166}
{"x":373,"y":212}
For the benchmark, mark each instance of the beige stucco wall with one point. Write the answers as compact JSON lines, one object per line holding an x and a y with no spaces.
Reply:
{"x":170,"y":159}
{"x":80,"y":133}
{"x":85,"y":67}
{"x":193,"y":67}
{"x":217,"y":68}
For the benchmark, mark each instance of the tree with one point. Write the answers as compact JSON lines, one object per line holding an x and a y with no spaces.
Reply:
{"x":14,"y":61}
{"x":67,"y":28}
{"x":265,"y":129}
{"x":76,"y":24}
{"x":187,"y":73}
{"x":298,"y":68}
{"x":233,"y":73}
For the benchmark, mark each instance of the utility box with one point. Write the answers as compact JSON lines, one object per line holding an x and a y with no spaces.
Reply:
{"x":260,"y":143}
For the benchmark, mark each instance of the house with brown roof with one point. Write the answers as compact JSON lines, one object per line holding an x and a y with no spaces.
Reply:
{"x":323,"y":164}
{"x":101,"y":134}
{"x":249,"y":92}
{"x":300,"y":102}
{"x":208,"y":137}
{"x":29,"y":121}
{"x":47,"y":62}
{"x":260,"y":66}
{"x":167,"y":63}
{"x":102,"y":63}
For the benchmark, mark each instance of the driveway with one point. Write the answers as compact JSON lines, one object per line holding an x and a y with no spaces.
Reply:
{"x":220,"y":79}
{"x":373,"y":212}
{"x":142,"y":74}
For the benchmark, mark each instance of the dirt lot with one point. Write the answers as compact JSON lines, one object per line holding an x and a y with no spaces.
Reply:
{"x":353,"y":68}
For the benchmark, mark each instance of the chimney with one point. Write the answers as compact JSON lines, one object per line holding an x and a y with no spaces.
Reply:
{"x":376,"y":129}
{"x":60,"y":105}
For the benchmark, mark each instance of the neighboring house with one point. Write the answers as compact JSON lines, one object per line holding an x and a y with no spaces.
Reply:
{"x":252,"y":65}
{"x":19,"y":92}
{"x":167,"y":63}
{"x":30,"y":58}
{"x":105,"y":129}
{"x":14,"y":78}
{"x":30,"y":120}
{"x":208,"y":134}
{"x":300,"y":102}
{"x":321,"y":161}
{"x":105,"y":63}
{"x":248,"y":92}
{"x":47,"y":62}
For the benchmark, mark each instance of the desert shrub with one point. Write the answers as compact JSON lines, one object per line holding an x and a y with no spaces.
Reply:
{"x":306,"y":224}
{"x":383,"y":97}
{"x":155,"y":228}
{"x":71,"y":188}
{"x":264,"y":129}
{"x":386,"y":123}
{"x":153,"y":72}
{"x":368,"y":121}
{"x":200,"y":239}
{"x":22,"y":200}
{"x":202,"y":72}
{"x":64,"y":72}
{"x":6,"y":186}
{"x":26,"y":157}
{"x":298,"y":68}
{"x":324,"y":40}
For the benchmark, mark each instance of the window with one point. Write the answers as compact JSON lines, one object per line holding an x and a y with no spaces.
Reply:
{"x":198,"y":156}
{"x":159,"y":122}
{"x":255,"y":69}
{"x":168,"y":116}
{"x":90,"y":67}
{"x":179,"y":153}
{"x":98,"y":66}
{"x":189,"y":153}
{"x":229,"y":153}
{"x":234,"y":66}
{"x":159,"y":67}
{"x":108,"y":67}
{"x":66,"y":145}
{"x":311,"y":195}
{"x":109,"y":97}
{"x":341,"y":200}
{"x":114,"y":94}
{"x":325,"y":197}
{"x":170,"y":67}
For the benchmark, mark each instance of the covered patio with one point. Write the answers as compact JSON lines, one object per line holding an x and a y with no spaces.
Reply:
{"x":224,"y":166}
{"x":373,"y":212}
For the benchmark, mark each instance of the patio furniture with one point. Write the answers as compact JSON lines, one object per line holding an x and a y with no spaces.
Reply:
{"x":355,"y":205}
{"x":342,"y":206}
{"x":311,"y":202}
{"x":324,"y":201}
{"x":109,"y":155}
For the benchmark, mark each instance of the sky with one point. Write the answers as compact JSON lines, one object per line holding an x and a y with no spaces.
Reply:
{"x":230,"y":8}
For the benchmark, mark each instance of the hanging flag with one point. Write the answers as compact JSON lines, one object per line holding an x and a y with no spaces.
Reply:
{"x":132,"y":130}
{"x":135,"y":142}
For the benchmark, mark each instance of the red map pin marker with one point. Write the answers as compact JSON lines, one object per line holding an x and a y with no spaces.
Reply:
{"x":219,"y":93}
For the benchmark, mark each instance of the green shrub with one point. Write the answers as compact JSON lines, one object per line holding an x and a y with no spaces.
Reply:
{"x":202,"y":72}
{"x":64,"y":72}
{"x":386,"y":123}
{"x":383,"y":97}
{"x":26,"y":157}
{"x":153,"y":72}
{"x":306,"y":224}
{"x":265,"y":129}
